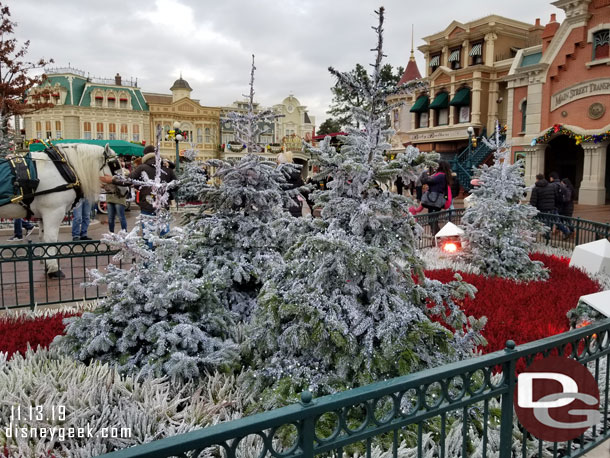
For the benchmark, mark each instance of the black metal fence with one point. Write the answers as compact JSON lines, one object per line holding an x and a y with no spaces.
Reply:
{"x":23,"y":280}
{"x":581,"y":231}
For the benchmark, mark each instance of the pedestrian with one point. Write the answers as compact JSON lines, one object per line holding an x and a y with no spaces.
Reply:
{"x":567,"y":207}
{"x":544,"y":198}
{"x":81,"y":217}
{"x":18,"y":225}
{"x":294,"y":181}
{"x":116,"y":200}
{"x":437,"y":195}
{"x":559,"y":201}
{"x":399,"y":185}
{"x":144,"y":193}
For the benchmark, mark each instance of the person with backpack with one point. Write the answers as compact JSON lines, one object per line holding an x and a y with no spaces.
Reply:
{"x":555,"y":182}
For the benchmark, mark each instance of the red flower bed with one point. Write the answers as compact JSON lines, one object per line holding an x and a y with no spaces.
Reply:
{"x":524,"y":312}
{"x":16,"y":334}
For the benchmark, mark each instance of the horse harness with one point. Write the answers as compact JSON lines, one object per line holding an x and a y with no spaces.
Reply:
{"x":25,"y":186}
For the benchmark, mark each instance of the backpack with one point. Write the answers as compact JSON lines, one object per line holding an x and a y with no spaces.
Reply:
{"x":566,"y":194}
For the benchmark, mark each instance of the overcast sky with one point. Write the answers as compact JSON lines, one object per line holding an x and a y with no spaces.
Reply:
{"x":211,"y":42}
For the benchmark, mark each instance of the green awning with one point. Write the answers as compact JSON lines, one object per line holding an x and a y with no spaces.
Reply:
{"x":121,"y":147}
{"x":461,"y":98}
{"x":420,"y":105}
{"x":440,"y":101}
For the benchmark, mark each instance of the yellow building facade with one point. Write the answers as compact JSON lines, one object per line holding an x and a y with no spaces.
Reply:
{"x":200,"y":123}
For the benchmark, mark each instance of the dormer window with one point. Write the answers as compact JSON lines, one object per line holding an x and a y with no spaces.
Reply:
{"x":111,"y":101}
{"x":435,"y":62}
{"x":454,"y":58}
{"x":601,"y":44}
{"x":476,"y":53}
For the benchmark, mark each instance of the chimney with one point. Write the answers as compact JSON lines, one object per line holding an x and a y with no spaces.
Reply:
{"x":117,"y":79}
{"x":537,"y":24}
{"x":549,"y":32}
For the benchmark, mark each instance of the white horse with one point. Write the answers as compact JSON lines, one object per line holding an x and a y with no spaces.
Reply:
{"x":88,"y":162}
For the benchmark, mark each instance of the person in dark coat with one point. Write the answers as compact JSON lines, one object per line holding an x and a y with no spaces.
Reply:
{"x":544,"y":195}
{"x":293,"y":181}
{"x":439,"y":182}
{"x":556,"y":182}
{"x":144,"y":197}
{"x":567,"y":207}
{"x":545,"y":198}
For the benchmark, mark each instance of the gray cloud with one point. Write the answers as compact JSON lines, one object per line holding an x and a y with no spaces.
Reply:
{"x":211,"y":42}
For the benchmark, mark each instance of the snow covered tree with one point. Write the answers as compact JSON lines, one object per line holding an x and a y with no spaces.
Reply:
{"x":241,"y":227}
{"x":351,"y":305}
{"x":161,"y":315}
{"x":499,"y":229}
{"x":193,"y":178}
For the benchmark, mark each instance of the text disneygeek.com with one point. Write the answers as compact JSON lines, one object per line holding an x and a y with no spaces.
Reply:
{"x":63,"y":433}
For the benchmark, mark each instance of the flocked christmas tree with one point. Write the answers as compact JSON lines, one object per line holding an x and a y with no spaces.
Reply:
{"x":351,"y":304}
{"x":161,"y":315}
{"x":499,"y":229}
{"x":241,"y":227}
{"x":193,"y":178}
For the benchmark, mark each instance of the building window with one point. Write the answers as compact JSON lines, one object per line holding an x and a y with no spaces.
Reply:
{"x":442,"y":117}
{"x":440,"y":105}
{"x":199,"y":135}
{"x":47,"y":125}
{"x":57,"y":129}
{"x":124,"y":132}
{"x":463,"y":114}
{"x":122,"y":102}
{"x":423,"y":120}
{"x":601,"y":44}
{"x":136,"y":133}
{"x":523,"y":115}
{"x":208,"y":135}
{"x":99,"y":101}
{"x":100,"y":131}
{"x":454,"y":58}
{"x":435,"y":62}
{"x":476,"y":53}
{"x":226,"y":138}
{"x":111,"y":102}
{"x":38,"y":129}
{"x":87,"y":130}
{"x":112,"y":131}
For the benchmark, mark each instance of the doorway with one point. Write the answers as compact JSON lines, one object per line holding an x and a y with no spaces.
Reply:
{"x":564,"y":156}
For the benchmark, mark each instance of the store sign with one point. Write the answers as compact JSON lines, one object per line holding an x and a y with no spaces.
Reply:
{"x":580,"y":91}
{"x":439,"y":134}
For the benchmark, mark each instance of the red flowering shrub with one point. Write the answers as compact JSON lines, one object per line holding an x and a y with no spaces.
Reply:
{"x":16,"y":334}
{"x":524,"y":312}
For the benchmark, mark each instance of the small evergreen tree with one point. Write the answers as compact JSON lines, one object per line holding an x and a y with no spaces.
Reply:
{"x":162,"y":314}
{"x":351,"y":305}
{"x":240,"y":229}
{"x":499,"y":229}
{"x":193,"y":178}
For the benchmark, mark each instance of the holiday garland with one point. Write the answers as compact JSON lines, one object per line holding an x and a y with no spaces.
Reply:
{"x":559,"y":129}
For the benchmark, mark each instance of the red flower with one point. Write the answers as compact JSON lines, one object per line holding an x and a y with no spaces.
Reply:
{"x":16,"y":334}
{"x":524,"y":312}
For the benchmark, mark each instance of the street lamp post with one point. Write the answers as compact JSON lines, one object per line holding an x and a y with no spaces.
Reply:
{"x":178,"y":138}
{"x":470,"y":131}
